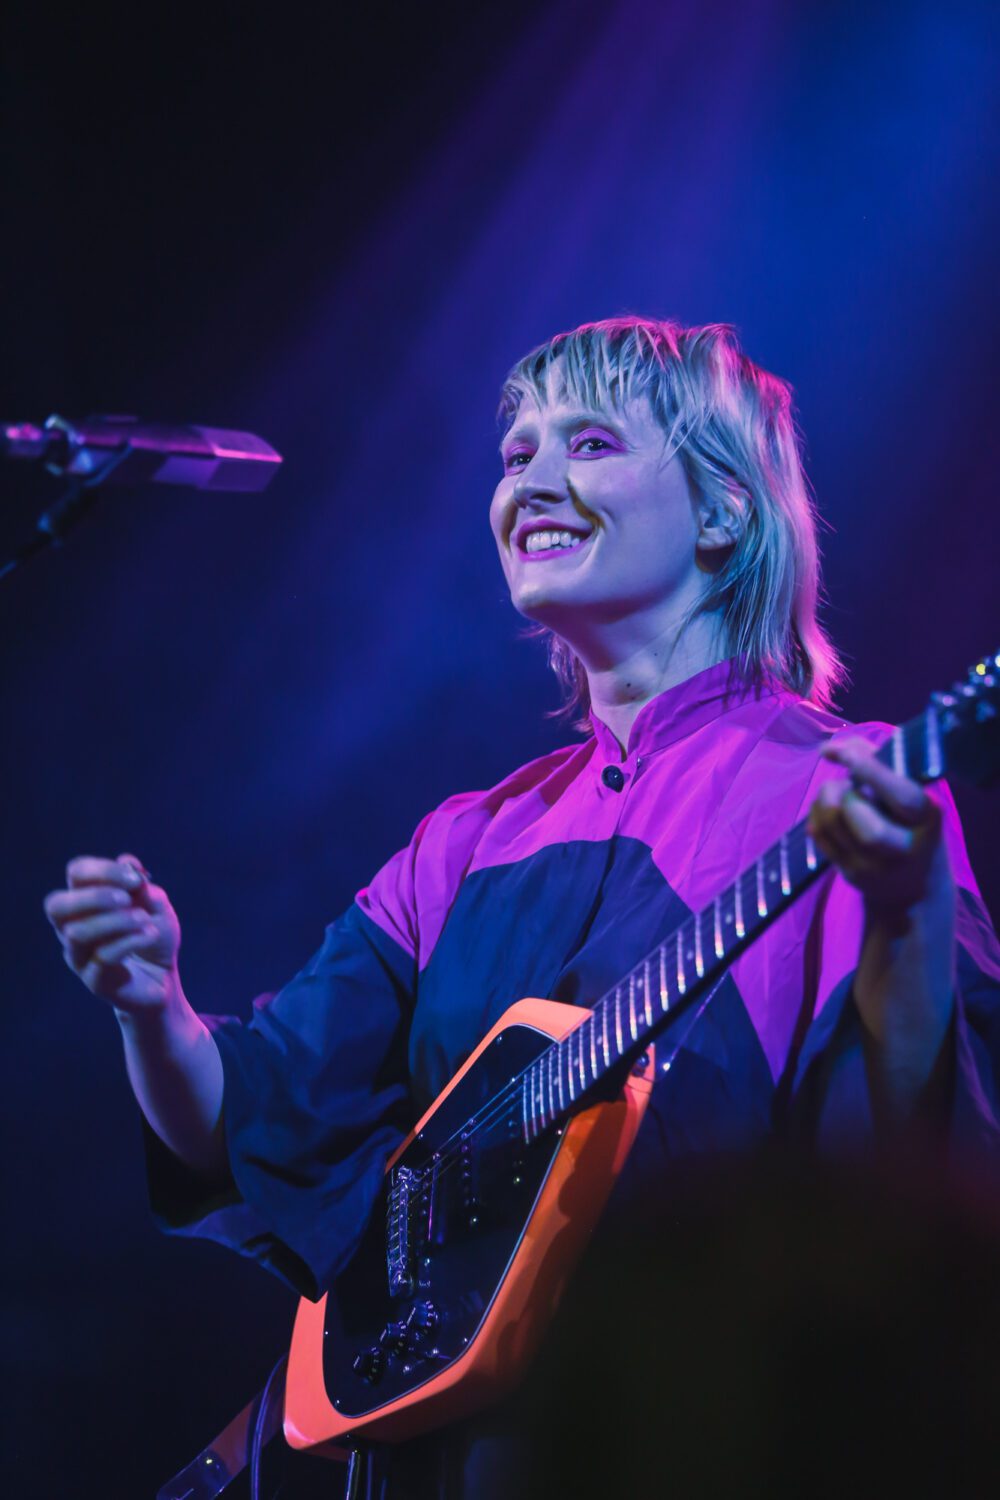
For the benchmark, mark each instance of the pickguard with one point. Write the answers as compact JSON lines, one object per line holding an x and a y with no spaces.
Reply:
{"x":476,"y":1197}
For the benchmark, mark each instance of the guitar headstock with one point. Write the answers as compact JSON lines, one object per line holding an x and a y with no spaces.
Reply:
{"x":968,"y":718}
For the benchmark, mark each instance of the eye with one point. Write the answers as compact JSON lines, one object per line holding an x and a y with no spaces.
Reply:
{"x":517,"y":459}
{"x":591,"y":444}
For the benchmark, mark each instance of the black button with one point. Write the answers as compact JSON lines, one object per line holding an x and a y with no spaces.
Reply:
{"x":613,"y":777}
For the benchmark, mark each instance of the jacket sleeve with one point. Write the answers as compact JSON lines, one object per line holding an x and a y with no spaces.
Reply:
{"x":316,"y":1097}
{"x":832,"y":1102}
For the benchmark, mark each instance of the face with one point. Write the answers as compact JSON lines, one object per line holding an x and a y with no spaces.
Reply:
{"x":592,"y":521}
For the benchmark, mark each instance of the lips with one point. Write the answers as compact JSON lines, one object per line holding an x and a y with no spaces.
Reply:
{"x":553,"y":537}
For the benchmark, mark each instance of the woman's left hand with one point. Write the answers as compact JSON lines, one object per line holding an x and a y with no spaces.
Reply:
{"x":881,"y":830}
{"x":884,"y":833}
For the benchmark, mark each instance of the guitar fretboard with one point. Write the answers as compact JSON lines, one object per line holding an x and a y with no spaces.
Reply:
{"x":619,"y":1028}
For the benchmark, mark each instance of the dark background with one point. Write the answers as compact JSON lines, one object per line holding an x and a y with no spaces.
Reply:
{"x":340,"y":228}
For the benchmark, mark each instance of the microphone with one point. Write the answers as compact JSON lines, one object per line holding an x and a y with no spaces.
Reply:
{"x":123,"y":450}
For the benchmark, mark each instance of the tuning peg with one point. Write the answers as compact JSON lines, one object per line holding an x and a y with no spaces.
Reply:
{"x":982,"y":674}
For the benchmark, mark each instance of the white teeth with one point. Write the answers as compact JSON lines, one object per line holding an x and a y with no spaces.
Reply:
{"x":545,"y":541}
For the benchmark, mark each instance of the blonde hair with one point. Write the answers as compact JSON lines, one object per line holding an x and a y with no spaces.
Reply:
{"x":731,"y":424}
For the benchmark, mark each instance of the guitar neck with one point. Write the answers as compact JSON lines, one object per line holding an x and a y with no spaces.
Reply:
{"x":620,"y":1027}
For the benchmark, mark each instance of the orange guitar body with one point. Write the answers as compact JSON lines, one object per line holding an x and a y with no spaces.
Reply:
{"x":586,"y":1156}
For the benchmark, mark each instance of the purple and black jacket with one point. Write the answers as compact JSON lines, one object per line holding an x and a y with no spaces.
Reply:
{"x":553,"y":884}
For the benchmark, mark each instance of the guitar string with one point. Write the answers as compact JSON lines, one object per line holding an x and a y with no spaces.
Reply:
{"x":449,"y":1154}
{"x":507,"y":1096}
{"x":445,"y":1158}
{"x":442,"y":1170}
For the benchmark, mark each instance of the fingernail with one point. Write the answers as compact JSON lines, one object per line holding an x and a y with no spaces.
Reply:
{"x":131,"y":877}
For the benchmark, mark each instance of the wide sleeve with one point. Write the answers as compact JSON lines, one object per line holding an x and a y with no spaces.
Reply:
{"x":831,"y":1097}
{"x":316,"y":1097}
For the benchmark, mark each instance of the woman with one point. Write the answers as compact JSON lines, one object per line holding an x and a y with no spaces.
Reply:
{"x":652,"y":518}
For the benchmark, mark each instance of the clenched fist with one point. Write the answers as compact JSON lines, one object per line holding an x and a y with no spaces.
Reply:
{"x":118,"y":932}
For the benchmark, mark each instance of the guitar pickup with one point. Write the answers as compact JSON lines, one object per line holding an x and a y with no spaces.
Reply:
{"x":403,"y":1195}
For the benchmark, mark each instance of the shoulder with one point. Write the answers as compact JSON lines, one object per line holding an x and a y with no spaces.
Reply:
{"x":799,"y":723}
{"x":462,"y":814}
{"x":777,"y":750}
{"x":801,"y":731}
{"x":411,"y":895}
{"x":809,"y":728}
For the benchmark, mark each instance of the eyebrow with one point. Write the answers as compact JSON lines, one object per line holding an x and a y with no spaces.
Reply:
{"x":574,"y":418}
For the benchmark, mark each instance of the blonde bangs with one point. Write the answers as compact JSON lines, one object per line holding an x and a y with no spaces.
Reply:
{"x":732,"y":426}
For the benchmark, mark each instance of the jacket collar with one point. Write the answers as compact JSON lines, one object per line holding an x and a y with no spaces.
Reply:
{"x":680,"y":710}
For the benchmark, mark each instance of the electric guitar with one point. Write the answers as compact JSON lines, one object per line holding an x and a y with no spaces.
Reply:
{"x":489,"y":1202}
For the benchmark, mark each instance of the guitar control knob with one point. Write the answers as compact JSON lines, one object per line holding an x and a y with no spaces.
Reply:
{"x":369,"y":1365}
{"x":423,"y":1317}
{"x":394,"y":1337}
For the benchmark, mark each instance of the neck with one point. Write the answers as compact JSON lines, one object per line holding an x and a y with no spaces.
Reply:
{"x":626,"y":674}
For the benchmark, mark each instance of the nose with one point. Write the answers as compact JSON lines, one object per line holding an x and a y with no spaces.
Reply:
{"x":542,"y":481}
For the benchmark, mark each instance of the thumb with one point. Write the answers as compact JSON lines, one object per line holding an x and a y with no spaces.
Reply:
{"x":147,"y":894}
{"x":135,"y":862}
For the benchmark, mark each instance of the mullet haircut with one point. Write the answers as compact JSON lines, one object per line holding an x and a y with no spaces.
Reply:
{"x":732,"y":426}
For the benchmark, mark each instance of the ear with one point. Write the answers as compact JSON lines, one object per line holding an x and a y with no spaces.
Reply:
{"x":719,"y":528}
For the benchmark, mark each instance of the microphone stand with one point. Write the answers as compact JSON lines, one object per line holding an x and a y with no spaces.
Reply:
{"x":89,"y":452}
{"x":66,"y":511}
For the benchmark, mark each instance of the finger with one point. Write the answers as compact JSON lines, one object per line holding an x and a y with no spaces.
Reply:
{"x":87,"y":931}
{"x":87,"y":869}
{"x":900,"y":796}
{"x":831,"y":837}
{"x":825,"y":807}
{"x":153,"y":897}
{"x":830,"y":794}
{"x":870,"y":830}
{"x":107,"y":976}
{"x":61,"y":906}
{"x":114,"y":952}
{"x":97,"y":968}
{"x":845,"y":825}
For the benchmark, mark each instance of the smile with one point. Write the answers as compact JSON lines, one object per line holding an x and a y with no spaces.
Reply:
{"x":538,"y":544}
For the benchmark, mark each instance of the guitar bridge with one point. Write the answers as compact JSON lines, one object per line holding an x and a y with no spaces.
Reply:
{"x":404,"y":1193}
